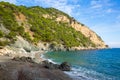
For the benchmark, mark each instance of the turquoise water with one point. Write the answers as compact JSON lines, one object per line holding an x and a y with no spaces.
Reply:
{"x":90,"y":64}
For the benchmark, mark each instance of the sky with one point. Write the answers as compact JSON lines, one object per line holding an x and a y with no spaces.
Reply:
{"x":102,"y":16}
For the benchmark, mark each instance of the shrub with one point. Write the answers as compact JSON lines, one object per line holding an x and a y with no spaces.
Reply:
{"x":4,"y":43}
{"x":11,"y":35}
{"x":1,"y":34}
{"x":27,"y":36}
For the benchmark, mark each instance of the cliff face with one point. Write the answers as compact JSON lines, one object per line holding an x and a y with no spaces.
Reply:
{"x":88,"y":33}
{"x":83,"y":29}
{"x":44,"y":28}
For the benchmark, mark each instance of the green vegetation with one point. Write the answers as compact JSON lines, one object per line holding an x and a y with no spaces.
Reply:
{"x":3,"y":43}
{"x":47,"y":30}
{"x":1,"y":34}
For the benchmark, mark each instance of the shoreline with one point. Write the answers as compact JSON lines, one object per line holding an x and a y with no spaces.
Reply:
{"x":18,"y":70}
{"x":37,"y":57}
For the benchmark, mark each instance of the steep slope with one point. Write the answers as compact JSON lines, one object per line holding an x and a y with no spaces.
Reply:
{"x":44,"y":25}
{"x":79,"y":27}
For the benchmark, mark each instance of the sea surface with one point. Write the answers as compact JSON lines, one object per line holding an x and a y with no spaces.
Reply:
{"x":90,"y":64}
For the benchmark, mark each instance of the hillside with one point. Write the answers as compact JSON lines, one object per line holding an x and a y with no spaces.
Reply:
{"x":44,"y":27}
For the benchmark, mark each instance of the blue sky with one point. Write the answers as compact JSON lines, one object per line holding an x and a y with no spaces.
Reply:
{"x":102,"y":16}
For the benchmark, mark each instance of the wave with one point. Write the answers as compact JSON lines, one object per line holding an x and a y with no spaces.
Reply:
{"x":81,"y":73}
{"x":106,"y":63}
{"x":49,"y":60}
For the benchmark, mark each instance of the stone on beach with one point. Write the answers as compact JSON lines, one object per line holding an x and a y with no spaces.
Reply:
{"x":65,"y":66}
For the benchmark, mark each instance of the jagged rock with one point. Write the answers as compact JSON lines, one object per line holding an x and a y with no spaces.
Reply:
{"x":16,"y":59}
{"x":65,"y":66}
{"x":3,"y":29}
{"x":50,"y":65}
{"x":23,"y":59}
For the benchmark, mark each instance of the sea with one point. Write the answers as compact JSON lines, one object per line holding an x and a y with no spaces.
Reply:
{"x":103,"y":64}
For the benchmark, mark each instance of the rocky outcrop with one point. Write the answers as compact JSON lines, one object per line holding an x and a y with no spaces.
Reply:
{"x":50,"y":65}
{"x":47,"y":16}
{"x":63,"y":66}
{"x":62,"y":18}
{"x":88,"y":33}
{"x":51,"y":46}
{"x":21,"y":48}
{"x":3,"y":29}
{"x":22,"y":43}
{"x":22,"y":21}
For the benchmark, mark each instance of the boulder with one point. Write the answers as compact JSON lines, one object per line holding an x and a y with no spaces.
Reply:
{"x":65,"y":66}
{"x":16,"y":59}
{"x":50,"y":65}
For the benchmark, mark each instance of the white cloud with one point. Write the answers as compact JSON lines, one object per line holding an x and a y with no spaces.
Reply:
{"x":101,"y":8}
{"x":59,"y":4}
{"x":96,"y":4}
{"x":62,"y":5}
{"x":10,"y":1}
{"x":100,"y":4}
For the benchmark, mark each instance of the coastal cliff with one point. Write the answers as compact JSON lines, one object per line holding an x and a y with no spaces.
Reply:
{"x":99,"y":43}
{"x":31,"y":29}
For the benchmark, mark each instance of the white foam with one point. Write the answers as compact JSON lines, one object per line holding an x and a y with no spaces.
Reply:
{"x":85,"y":74}
{"x":82,"y":73}
{"x":50,"y":60}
